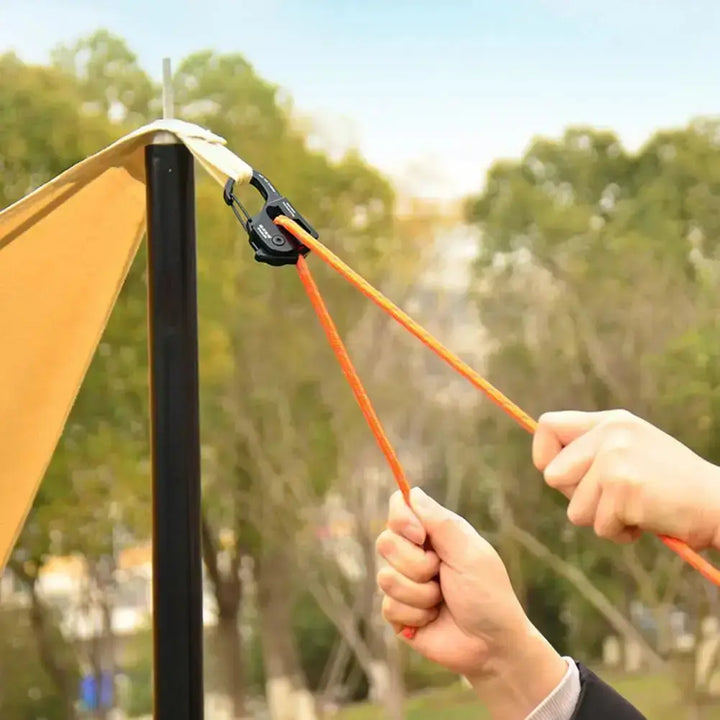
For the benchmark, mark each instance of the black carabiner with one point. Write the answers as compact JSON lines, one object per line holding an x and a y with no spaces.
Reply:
{"x":273,"y":245}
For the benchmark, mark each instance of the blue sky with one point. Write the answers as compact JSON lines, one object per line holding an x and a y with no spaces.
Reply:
{"x":430,"y":91}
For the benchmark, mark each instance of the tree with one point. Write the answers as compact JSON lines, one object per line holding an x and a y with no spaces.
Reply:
{"x":593,"y":282}
{"x":28,"y":690}
{"x":254,"y":397}
{"x":110,"y":80}
{"x":42,"y":127}
{"x":45,"y":131}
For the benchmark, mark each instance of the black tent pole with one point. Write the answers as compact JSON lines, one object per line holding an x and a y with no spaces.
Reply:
{"x":175,"y":435}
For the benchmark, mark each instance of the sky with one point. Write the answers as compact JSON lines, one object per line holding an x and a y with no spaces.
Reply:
{"x":431,"y":92}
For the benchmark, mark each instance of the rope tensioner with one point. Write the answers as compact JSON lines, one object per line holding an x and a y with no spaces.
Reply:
{"x":273,"y":245}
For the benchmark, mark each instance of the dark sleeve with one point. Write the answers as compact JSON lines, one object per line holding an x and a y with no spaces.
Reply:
{"x":598,"y":701}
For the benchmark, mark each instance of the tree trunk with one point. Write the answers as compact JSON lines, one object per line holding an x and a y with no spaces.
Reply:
{"x":103,"y":644}
{"x":388,"y":678}
{"x":335,"y":670}
{"x":60,"y":675}
{"x":664,"y":643}
{"x":96,"y":663}
{"x":228,"y":587}
{"x":90,"y":603}
{"x":287,"y":694}
{"x":230,"y":651}
{"x":384,"y":678}
{"x":508,"y":547}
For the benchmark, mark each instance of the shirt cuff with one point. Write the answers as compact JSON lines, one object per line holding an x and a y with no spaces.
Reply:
{"x":561,"y":702}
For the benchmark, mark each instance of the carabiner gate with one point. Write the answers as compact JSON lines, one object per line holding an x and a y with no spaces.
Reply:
{"x":273,"y":245}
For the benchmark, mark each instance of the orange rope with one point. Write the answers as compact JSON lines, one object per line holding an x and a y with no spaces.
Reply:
{"x":694,"y":559}
{"x":356,"y":385}
{"x":519,"y":415}
{"x":353,"y":378}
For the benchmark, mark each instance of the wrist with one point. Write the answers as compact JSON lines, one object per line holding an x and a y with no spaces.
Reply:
{"x":513,"y":683}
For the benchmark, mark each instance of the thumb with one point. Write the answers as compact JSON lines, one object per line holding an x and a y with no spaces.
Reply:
{"x":448,"y":533}
{"x":555,"y":430}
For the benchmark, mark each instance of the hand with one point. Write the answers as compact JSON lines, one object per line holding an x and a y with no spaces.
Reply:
{"x":623,"y":475}
{"x":459,"y":597}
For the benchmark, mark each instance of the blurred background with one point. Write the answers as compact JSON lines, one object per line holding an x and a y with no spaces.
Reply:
{"x":537,"y":181}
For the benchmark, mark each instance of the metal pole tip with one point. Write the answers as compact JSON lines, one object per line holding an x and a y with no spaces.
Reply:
{"x":168,"y":100}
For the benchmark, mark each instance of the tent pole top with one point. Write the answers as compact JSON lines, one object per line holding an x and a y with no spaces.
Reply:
{"x":168,"y":105}
{"x":168,"y":100}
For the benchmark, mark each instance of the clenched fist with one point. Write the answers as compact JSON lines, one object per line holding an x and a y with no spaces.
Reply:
{"x":459,"y":597}
{"x":623,"y":476}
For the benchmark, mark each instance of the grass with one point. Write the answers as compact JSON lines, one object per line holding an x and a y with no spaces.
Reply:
{"x":454,"y":703}
{"x":656,"y":696}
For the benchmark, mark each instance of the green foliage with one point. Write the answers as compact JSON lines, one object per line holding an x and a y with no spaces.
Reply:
{"x":111,"y":82}
{"x":420,"y":675}
{"x":316,"y":636}
{"x":26,"y":692}
{"x":43,"y":129}
{"x":267,"y":412}
{"x":597,"y":282}
{"x":137,"y":667}
{"x":102,"y":458}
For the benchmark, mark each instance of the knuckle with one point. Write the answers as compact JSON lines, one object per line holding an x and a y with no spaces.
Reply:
{"x":602,"y":531}
{"x":385,"y":543}
{"x":386,"y":580}
{"x":622,"y":418}
{"x":431,"y":566}
{"x":388,"y":609}
{"x":422,"y":572}
{"x":618,"y":442}
{"x":434,"y":595}
{"x":621,"y":429}
{"x":634,"y":504}
{"x":573,"y":515}
{"x":619,"y":471}
{"x":553,"y":480}
{"x":577,"y":516}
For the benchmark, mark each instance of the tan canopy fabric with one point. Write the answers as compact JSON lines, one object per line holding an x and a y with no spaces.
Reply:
{"x":65,"y":250}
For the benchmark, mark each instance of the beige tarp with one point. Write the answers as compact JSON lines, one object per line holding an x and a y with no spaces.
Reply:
{"x":65,"y":250}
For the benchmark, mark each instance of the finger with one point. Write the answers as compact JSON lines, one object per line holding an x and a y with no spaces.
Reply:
{"x":452,"y":537}
{"x":403,"y":521}
{"x":545,"y":446}
{"x":404,"y":590}
{"x":569,"y":425}
{"x":608,"y":523}
{"x":400,"y":614}
{"x":407,"y":558}
{"x":569,"y":467}
{"x":583,"y":504}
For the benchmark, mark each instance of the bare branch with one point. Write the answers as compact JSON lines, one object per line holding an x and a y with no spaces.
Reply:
{"x":587,"y":589}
